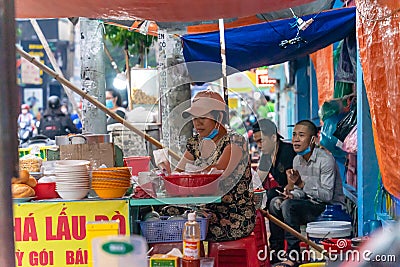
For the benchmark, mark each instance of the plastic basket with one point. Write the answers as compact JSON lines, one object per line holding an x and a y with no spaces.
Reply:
{"x":26,"y":151}
{"x":164,"y":230}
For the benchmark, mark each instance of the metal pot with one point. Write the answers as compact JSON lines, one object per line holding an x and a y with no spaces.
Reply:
{"x":83,"y":139}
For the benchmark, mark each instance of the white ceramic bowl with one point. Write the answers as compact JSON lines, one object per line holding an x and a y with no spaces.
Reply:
{"x":73,"y":194}
{"x":71,"y":162}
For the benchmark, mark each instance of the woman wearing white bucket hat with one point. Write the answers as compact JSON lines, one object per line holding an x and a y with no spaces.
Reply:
{"x":213,"y":147}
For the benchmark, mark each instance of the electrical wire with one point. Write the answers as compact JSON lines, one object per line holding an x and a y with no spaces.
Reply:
{"x":294,"y":16}
{"x":269,"y":23}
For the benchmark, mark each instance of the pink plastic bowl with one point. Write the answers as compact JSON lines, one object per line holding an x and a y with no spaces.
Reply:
{"x":138,"y":164}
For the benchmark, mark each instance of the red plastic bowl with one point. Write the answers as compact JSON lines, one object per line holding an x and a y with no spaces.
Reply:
{"x":46,"y":191}
{"x":336,"y":244}
{"x":191,"y":184}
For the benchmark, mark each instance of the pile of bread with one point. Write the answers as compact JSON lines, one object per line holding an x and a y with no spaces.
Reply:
{"x":22,"y":187}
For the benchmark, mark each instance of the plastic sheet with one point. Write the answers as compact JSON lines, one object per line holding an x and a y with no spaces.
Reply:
{"x":346,"y":124}
{"x":350,"y":142}
{"x":323,"y":64}
{"x":378,"y":28}
{"x":327,"y":139}
{"x":159,"y":10}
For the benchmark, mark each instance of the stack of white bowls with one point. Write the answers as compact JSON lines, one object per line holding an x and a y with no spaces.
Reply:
{"x":72,"y":178}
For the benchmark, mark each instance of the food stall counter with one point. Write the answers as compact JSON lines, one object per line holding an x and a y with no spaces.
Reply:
{"x":174,"y":200}
{"x":54,"y":232}
{"x":135,"y":204}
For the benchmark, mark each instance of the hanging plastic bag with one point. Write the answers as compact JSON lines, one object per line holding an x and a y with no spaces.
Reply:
{"x":327,"y":139}
{"x":350,"y":142}
{"x":330,"y":108}
{"x":345,"y":125}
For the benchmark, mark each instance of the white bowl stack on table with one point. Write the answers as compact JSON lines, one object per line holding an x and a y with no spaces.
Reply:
{"x":72,"y":178}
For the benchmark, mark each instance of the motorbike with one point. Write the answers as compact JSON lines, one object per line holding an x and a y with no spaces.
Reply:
{"x":25,"y":132}
{"x":38,"y":140}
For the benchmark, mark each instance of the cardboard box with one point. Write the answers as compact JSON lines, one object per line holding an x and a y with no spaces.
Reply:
{"x":161,"y":260}
{"x":97,"y":154}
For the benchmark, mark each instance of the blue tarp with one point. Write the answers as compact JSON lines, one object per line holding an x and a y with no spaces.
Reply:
{"x":258,"y":45}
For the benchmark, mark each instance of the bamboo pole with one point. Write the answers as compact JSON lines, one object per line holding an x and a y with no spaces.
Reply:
{"x":94,"y":101}
{"x":128,"y":75}
{"x":53,"y":62}
{"x":289,"y":229}
{"x":113,"y":64}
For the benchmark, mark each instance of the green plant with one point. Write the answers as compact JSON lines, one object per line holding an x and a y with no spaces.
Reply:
{"x":137,"y":43}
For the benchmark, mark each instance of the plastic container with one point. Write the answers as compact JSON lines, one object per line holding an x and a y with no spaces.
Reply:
{"x":334,"y":213}
{"x":191,"y":242}
{"x":138,"y":164}
{"x":163,"y":230}
{"x":46,"y":191}
{"x":328,"y":229}
{"x":191,"y":184}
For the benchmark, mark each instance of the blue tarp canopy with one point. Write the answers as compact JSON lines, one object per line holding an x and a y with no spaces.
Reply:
{"x":258,"y":45}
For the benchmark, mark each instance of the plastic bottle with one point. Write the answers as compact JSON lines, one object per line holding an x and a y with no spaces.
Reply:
{"x":191,"y":242}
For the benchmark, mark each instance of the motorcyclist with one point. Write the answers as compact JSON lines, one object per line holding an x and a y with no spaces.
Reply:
{"x":26,"y":121}
{"x":54,"y":122}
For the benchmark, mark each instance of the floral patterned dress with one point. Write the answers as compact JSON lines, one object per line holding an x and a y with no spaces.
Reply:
{"x":234,"y":217}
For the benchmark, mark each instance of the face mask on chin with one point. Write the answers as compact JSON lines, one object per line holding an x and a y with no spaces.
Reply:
{"x":308,"y":149}
{"x":212,"y":134}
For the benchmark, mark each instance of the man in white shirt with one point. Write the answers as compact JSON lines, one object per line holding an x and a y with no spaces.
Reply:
{"x":313,"y":182}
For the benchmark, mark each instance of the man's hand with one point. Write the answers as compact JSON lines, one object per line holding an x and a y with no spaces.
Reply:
{"x":287,"y":193}
{"x":293,"y":176}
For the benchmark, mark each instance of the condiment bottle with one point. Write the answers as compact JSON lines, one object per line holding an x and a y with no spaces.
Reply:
{"x":191,"y":242}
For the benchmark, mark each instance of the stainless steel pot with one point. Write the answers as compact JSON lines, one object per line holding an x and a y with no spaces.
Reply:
{"x":83,"y":139}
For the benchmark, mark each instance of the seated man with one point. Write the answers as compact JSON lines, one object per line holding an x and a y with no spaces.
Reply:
{"x":276,"y":157}
{"x":313,"y":182}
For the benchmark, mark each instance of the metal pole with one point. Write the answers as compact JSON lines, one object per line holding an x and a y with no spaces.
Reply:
{"x":223,"y":58}
{"x":93,"y":74}
{"x":9,"y":110}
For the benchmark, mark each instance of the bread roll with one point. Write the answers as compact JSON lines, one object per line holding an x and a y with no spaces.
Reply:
{"x":31,"y":181}
{"x":23,"y":177}
{"x":22,"y":191}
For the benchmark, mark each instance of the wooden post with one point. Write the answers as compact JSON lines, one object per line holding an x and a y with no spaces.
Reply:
{"x":9,"y":110}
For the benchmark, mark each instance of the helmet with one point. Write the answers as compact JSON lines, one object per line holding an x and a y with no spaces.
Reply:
{"x":53,"y":102}
{"x":25,"y":106}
